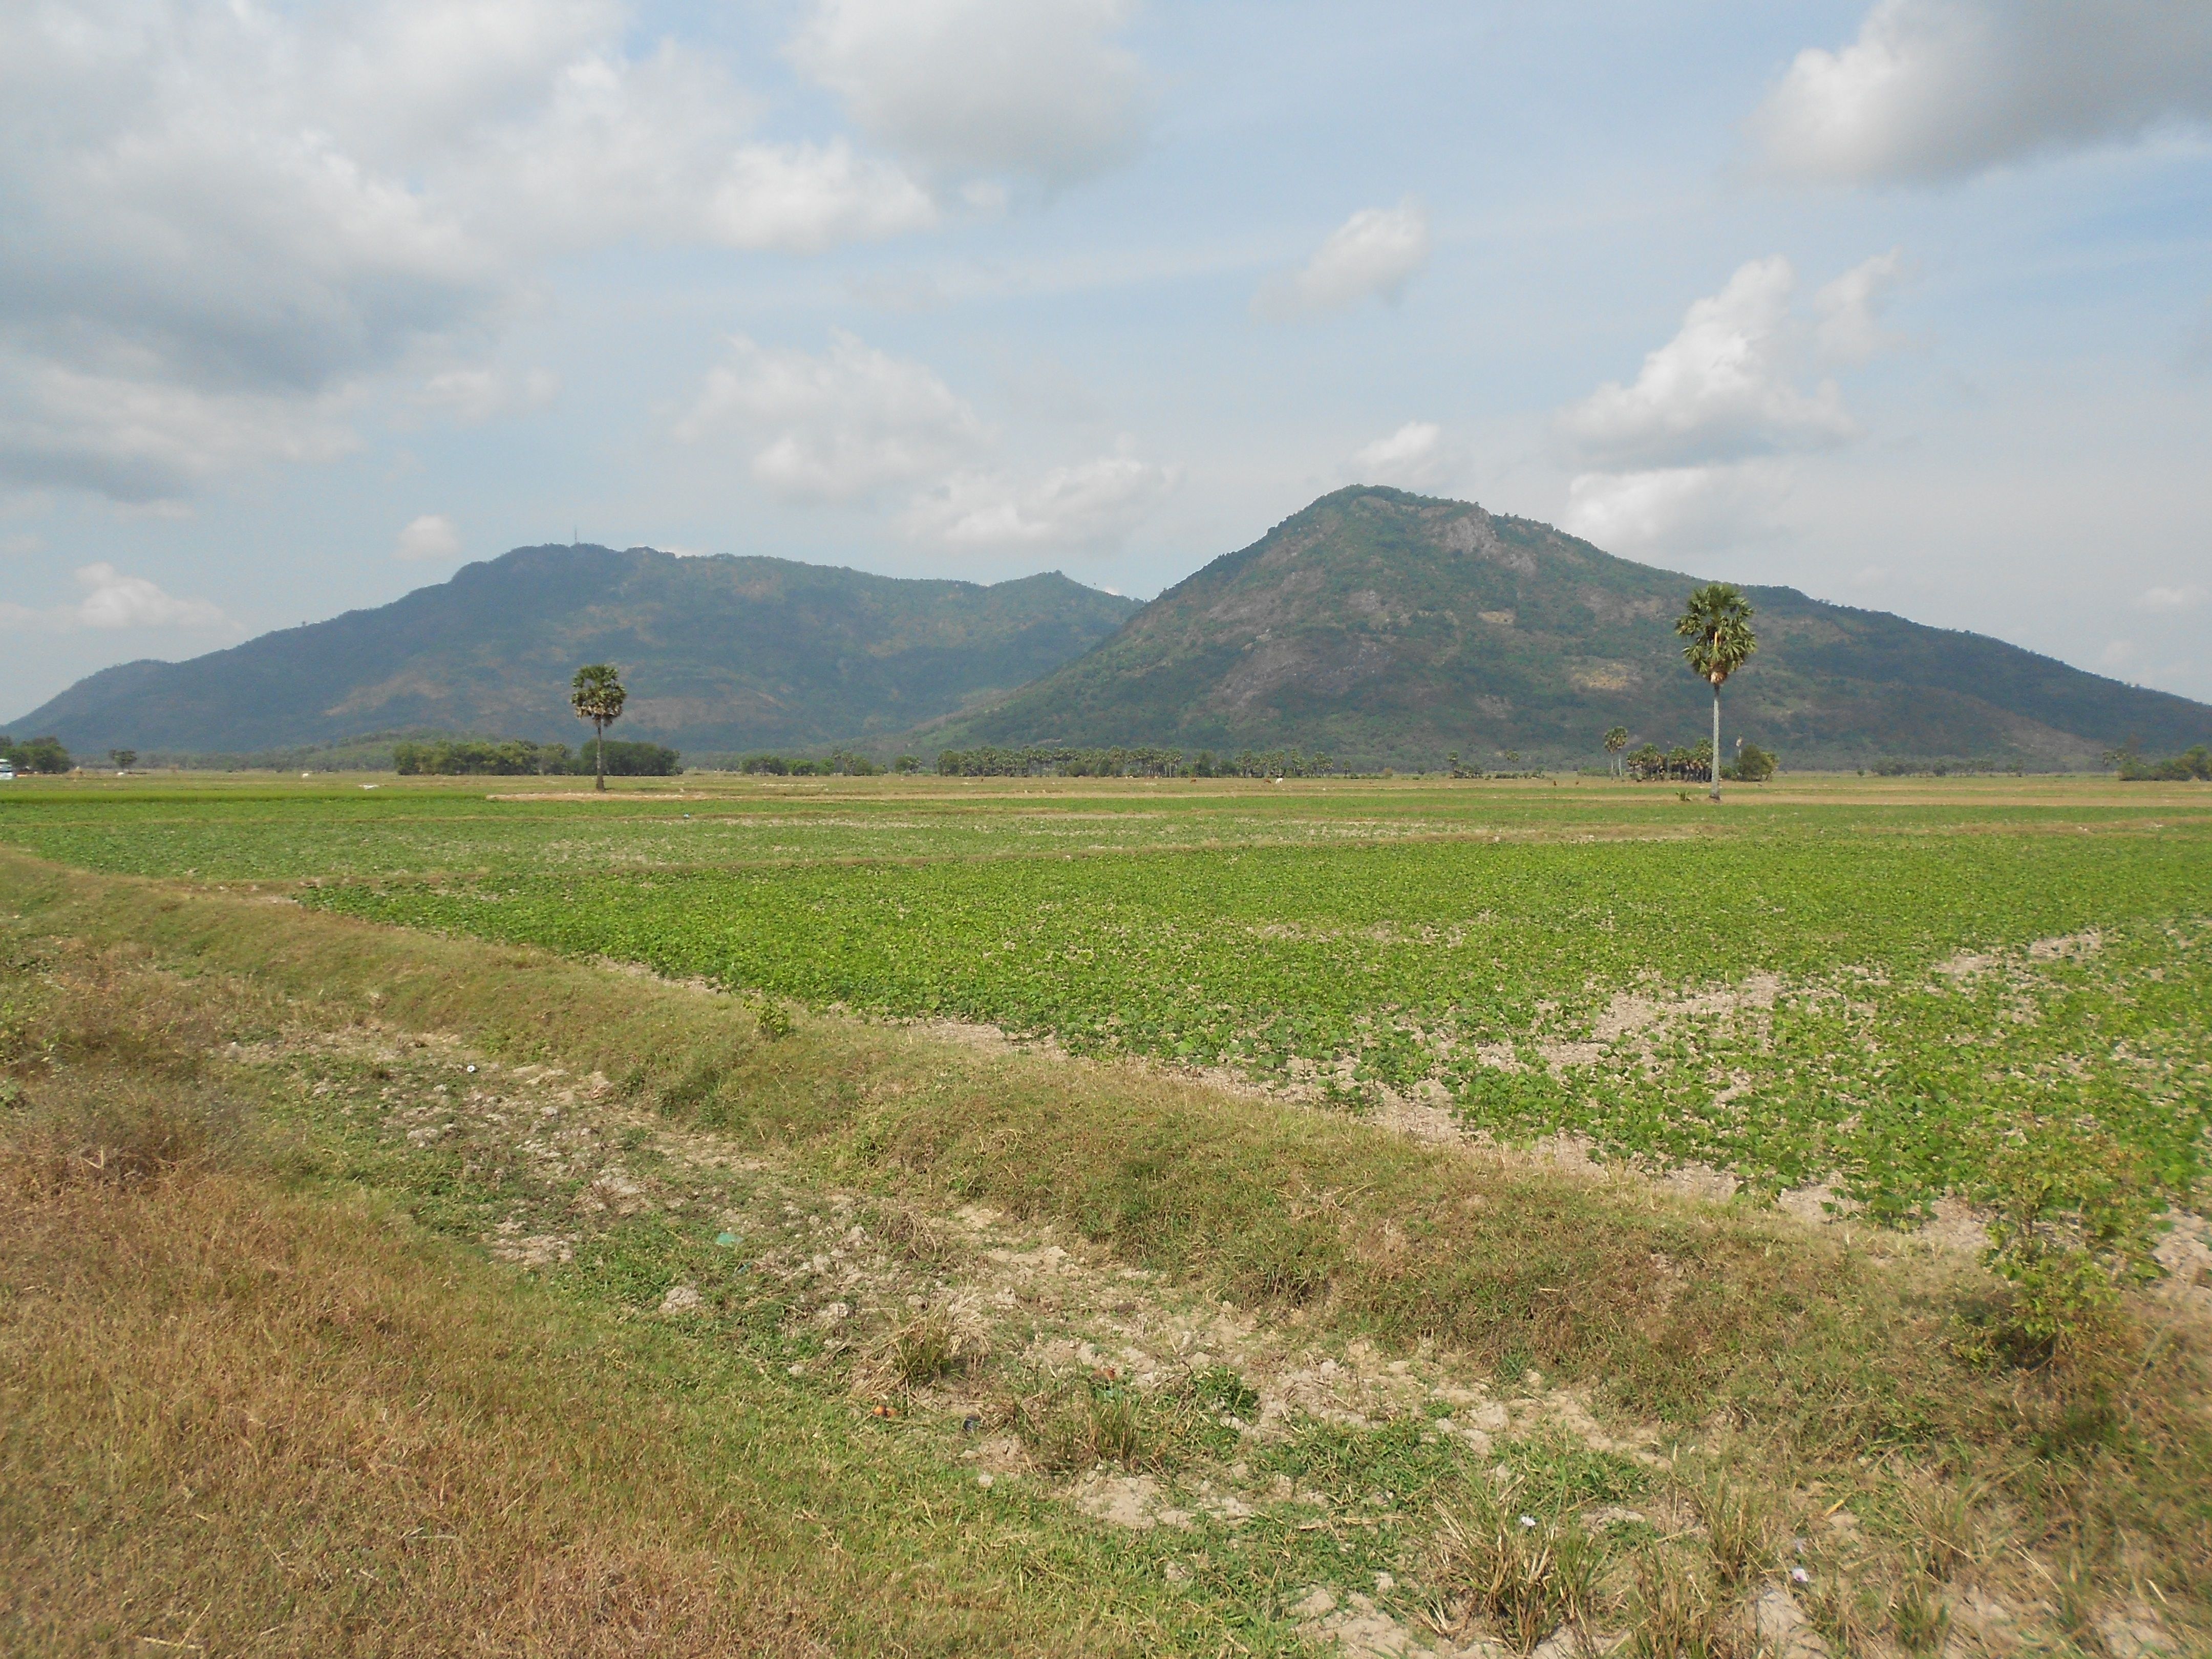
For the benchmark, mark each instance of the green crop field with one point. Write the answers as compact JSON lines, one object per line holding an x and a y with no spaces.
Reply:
{"x":1180,"y":1310}
{"x":1871,"y":983}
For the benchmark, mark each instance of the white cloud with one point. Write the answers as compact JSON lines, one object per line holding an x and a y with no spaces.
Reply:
{"x":1720,"y":390}
{"x":1849,"y":330}
{"x":115,"y":600}
{"x":839,"y":425}
{"x":1089,"y":507}
{"x":225,"y":220}
{"x":1934,"y":88}
{"x":433,"y":536}
{"x":1683,"y":511}
{"x":1374,"y":251}
{"x":140,"y":436}
{"x":1412,"y":458}
{"x":112,"y":599}
{"x":1690,"y":456}
{"x":2186,"y":596}
{"x":474,"y":396}
{"x":1031,"y":89}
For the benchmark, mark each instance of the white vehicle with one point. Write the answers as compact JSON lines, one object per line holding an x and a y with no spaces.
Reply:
{"x":7,"y":771}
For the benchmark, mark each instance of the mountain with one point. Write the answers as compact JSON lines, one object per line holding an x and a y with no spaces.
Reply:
{"x":1386,"y":628}
{"x":720,"y":653}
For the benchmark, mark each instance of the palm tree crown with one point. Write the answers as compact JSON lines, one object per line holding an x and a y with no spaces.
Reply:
{"x":597,"y":692}
{"x":1716,"y":622}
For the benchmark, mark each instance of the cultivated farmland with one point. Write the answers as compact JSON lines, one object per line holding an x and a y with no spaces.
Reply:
{"x":1414,"y":1067}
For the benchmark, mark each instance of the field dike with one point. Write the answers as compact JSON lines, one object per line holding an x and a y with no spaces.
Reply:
{"x":1111,"y":1359}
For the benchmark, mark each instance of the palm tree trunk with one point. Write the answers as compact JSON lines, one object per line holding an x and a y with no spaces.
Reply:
{"x":1716,"y":767}
{"x":600,"y":744}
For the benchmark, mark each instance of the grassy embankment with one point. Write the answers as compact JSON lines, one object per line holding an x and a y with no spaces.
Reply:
{"x":1802,"y":1372}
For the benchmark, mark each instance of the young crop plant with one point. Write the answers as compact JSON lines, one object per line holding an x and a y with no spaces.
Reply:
{"x":1853,"y":1014}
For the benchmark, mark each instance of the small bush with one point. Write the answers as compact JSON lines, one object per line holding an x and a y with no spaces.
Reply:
{"x":1838,"y":1609}
{"x":2074,"y":1222}
{"x":1946,"y":1531}
{"x":919,"y":1238}
{"x":699,"y":1082}
{"x":1221,"y":1388}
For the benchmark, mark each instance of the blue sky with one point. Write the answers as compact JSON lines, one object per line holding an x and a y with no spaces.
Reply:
{"x":1908,"y":304}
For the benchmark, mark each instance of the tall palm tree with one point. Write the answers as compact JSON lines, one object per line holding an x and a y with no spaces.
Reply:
{"x":596,"y":695}
{"x":1716,"y":622}
{"x":1615,"y":741}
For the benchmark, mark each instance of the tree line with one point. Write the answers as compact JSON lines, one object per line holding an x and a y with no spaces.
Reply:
{"x":1062,"y":761}
{"x":837,"y":764}
{"x":2190,"y":765}
{"x":35,"y":755}
{"x":519,"y":757}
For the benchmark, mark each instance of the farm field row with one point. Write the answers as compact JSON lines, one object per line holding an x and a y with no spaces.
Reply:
{"x":1873,"y":984}
{"x":266,"y":830}
{"x":1877,"y":1012}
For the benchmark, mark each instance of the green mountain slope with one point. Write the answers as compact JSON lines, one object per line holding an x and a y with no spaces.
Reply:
{"x":720,"y":653}
{"x":1386,"y":628}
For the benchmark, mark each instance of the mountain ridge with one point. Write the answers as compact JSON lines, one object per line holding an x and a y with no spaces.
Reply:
{"x":1384,"y":626}
{"x":728,"y":651}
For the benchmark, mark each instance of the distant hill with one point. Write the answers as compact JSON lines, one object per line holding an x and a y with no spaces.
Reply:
{"x":1387,"y":629}
{"x":719,"y":655}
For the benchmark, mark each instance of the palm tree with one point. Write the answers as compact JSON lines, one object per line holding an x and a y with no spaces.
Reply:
{"x":1615,"y":741}
{"x":1718,"y":624}
{"x":596,"y":696}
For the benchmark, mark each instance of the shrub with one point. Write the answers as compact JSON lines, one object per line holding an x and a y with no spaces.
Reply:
{"x":1677,"y":1615}
{"x":939,"y":1342}
{"x":1100,"y":1420}
{"x":117,"y":1134}
{"x":1752,"y":765}
{"x":2074,"y":1219}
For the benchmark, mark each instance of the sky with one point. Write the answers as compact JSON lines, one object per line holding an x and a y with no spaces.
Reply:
{"x":303,"y":305}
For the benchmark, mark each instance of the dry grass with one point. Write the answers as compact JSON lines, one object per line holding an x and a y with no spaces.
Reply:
{"x":238,"y":1421}
{"x":1678,"y":1614}
{"x":1739,"y":1531}
{"x":1523,"y":1576}
{"x":235,"y":1419}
